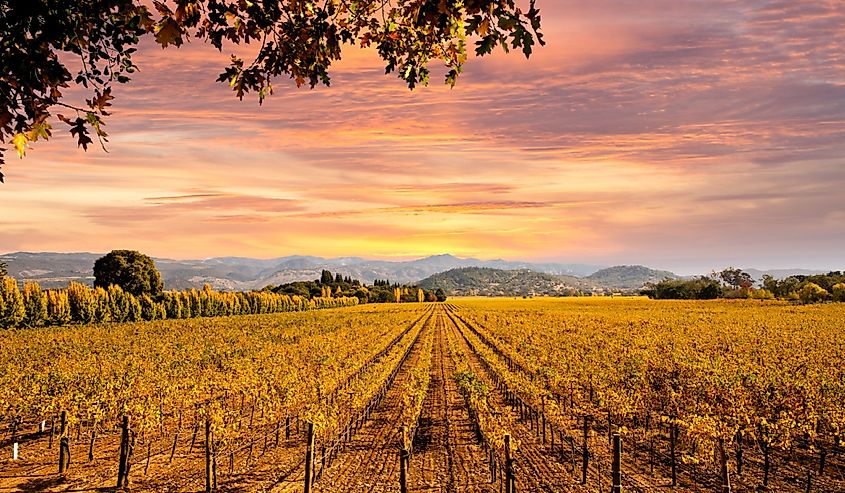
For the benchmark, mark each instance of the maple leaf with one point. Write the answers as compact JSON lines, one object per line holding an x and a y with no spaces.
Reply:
{"x":168,"y":32}
{"x":162,"y":8}
{"x":101,"y":101}
{"x":21,"y":142}
{"x":39,"y":130}
{"x":484,"y":27}
{"x":77,"y":129}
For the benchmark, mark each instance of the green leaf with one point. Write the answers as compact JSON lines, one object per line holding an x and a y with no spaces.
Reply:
{"x":485,"y":45}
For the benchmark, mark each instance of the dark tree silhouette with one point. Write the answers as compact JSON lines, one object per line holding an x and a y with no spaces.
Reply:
{"x":299,"y":40}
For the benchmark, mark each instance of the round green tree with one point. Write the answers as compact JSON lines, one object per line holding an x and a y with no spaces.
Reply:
{"x":133,"y":271}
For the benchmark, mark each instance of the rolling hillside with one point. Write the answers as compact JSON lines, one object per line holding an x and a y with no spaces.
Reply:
{"x":629,"y":276}
{"x":483,"y":281}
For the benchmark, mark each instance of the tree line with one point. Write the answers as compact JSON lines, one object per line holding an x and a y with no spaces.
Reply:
{"x":34,"y":307}
{"x":128,"y":288}
{"x":381,"y":291}
{"x":732,"y":283}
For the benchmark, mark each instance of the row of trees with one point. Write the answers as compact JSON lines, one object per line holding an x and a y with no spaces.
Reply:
{"x":34,"y":307}
{"x":337,"y":285}
{"x":128,"y":288}
{"x":735,"y":283}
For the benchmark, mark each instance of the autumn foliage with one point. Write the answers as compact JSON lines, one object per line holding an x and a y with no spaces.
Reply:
{"x":81,"y":304}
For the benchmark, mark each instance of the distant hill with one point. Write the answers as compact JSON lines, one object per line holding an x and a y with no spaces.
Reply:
{"x":629,"y":276}
{"x":51,"y":269}
{"x":484,"y":281}
{"x":240,"y":273}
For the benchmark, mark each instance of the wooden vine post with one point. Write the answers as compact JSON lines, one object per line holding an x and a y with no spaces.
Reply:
{"x":673,"y":439}
{"x":123,"y":465}
{"x":309,"y":459}
{"x":616,"y":477}
{"x":509,"y":476}
{"x":173,"y":447}
{"x":822,"y":459}
{"x":209,"y":480}
{"x":15,"y":438}
{"x":403,"y":460}
{"x":585,"y":451}
{"x":403,"y":471}
{"x":64,"y":445}
{"x":723,"y":467}
{"x":543,"y":413}
{"x":92,"y":441}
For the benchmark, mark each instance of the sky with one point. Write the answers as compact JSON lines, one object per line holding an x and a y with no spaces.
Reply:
{"x":687,"y":135}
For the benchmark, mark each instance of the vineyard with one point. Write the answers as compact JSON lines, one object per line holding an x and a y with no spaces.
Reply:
{"x":582,"y":395}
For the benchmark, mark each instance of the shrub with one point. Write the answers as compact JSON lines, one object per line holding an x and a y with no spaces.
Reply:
{"x":812,"y":293}
{"x":762,"y":294}
{"x":838,"y":292}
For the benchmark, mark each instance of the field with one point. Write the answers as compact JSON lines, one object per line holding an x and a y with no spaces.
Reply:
{"x":698,"y":393}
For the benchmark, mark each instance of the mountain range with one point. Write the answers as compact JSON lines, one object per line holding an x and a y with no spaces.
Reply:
{"x":241,"y":273}
{"x":53,"y":270}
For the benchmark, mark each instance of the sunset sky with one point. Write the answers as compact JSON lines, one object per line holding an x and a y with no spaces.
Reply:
{"x":687,"y":135}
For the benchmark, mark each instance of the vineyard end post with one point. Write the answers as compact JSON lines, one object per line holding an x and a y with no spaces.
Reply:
{"x":673,"y":438}
{"x":124,"y":451}
{"x":64,"y":445}
{"x":403,"y":470}
{"x":616,"y":486}
{"x":208,"y":471}
{"x":309,"y":458}
{"x":723,"y":466}
{"x":508,"y":466}
{"x":585,"y":451}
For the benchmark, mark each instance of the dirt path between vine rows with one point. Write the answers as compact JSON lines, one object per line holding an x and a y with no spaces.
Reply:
{"x":447,"y":454}
{"x":369,"y":462}
{"x":272,"y":458}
